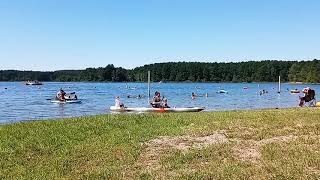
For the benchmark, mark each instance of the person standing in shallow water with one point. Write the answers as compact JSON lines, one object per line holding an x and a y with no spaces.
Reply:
{"x":164,"y":103}
{"x":118,"y":103}
{"x":193,"y":95}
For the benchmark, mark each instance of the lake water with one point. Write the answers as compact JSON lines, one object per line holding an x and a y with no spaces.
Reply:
{"x":20,"y":102}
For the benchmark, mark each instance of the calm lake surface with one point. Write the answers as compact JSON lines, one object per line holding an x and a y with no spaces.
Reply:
{"x":20,"y":102}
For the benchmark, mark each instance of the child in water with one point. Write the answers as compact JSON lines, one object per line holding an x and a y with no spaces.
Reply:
{"x":118,"y":102}
{"x":193,"y":95}
{"x":164,"y":103}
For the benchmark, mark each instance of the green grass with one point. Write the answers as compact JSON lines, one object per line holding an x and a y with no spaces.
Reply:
{"x":116,"y":146}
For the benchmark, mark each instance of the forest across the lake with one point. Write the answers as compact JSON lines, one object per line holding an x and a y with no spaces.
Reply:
{"x":250,"y":71}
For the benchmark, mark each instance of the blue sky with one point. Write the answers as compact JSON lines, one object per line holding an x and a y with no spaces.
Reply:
{"x":75,"y":34}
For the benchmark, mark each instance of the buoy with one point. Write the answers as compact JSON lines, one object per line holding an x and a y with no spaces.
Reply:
{"x":318,"y":104}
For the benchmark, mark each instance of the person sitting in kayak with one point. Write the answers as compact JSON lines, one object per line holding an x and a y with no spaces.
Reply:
{"x":164,"y":103}
{"x":118,"y":102}
{"x":156,"y":101}
{"x":71,"y":96}
{"x":61,"y":95}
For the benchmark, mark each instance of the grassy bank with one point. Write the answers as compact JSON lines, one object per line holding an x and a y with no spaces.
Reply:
{"x":262,"y":144}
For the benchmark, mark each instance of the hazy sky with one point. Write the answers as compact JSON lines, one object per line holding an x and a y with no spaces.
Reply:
{"x":75,"y":34}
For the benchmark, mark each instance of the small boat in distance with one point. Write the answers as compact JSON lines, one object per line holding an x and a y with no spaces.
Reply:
{"x":295,"y":91}
{"x":222,"y":91}
{"x":33,"y":83}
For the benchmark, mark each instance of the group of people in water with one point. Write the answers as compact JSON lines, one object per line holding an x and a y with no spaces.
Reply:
{"x":139,"y":96}
{"x":162,"y":102}
{"x":261,"y":92}
{"x":194,"y":95}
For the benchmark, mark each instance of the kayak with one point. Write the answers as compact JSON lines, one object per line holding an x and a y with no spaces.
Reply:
{"x":66,"y":101}
{"x":295,"y":91}
{"x":222,"y":91}
{"x":33,"y":83}
{"x":150,"y":109}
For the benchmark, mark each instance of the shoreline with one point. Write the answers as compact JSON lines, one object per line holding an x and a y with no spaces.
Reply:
{"x":145,"y":113}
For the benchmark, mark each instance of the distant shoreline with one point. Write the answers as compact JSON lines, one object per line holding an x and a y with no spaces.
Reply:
{"x":156,"y":82}
{"x":249,"y":71}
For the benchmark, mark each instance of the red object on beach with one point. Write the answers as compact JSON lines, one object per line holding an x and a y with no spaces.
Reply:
{"x":162,"y":110}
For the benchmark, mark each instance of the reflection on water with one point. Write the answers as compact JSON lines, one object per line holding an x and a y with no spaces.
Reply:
{"x":21,"y":102}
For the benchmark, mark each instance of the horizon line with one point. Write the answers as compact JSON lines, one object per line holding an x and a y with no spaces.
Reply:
{"x":244,"y":61}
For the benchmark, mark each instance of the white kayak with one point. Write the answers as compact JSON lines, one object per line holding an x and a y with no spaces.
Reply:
{"x":150,"y":109}
{"x":222,"y":91}
{"x":33,"y":83}
{"x":66,"y":101}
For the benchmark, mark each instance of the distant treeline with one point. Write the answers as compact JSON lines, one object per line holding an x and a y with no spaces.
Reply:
{"x":252,"y":71}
